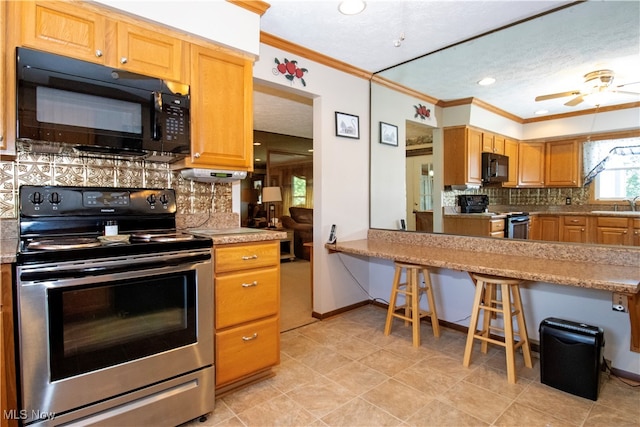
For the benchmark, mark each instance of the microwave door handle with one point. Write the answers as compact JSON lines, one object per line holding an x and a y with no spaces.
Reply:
{"x":493,"y":168}
{"x":156,"y":120}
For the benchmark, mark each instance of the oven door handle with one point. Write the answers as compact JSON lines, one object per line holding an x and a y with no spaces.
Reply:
{"x":100,"y":270}
{"x":515,"y":220}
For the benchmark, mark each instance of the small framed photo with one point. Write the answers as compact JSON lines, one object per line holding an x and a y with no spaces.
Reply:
{"x":388,"y":134}
{"x":347,"y":125}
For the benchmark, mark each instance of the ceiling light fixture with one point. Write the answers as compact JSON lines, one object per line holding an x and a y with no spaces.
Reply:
{"x":487,"y":81}
{"x":398,"y":42}
{"x":351,"y":7}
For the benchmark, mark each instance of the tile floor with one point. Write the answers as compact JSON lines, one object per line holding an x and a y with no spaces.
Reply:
{"x":344,"y":372}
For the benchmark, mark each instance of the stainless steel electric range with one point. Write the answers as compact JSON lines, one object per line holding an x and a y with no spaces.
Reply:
{"x":115,"y":327}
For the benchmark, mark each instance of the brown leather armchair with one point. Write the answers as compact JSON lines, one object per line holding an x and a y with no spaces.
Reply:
{"x":301,"y":222}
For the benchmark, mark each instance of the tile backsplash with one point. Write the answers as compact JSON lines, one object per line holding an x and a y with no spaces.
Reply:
{"x":59,"y":169}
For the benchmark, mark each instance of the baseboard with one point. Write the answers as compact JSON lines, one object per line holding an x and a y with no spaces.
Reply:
{"x":323,"y":316}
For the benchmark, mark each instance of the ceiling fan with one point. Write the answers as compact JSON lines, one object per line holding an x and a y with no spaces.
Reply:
{"x":596,"y":84}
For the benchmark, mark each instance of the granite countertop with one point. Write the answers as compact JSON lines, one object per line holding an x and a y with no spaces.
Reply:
{"x":615,"y":270}
{"x":238,"y":235}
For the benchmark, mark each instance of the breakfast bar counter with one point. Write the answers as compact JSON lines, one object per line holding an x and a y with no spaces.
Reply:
{"x":614,"y":269}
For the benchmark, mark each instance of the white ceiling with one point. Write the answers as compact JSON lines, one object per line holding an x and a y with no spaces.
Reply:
{"x":545,"y":55}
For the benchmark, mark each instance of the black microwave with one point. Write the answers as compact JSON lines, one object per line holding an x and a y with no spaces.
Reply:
{"x":495,"y":168}
{"x":98,"y":109}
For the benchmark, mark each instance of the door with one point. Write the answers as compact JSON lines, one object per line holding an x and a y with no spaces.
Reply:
{"x":419,"y":187}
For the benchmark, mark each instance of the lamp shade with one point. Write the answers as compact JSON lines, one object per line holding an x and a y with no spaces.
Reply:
{"x":271,"y":194}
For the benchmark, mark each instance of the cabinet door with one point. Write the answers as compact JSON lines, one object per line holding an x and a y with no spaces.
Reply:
{"x":474,"y":157}
{"x":549,"y":228}
{"x":487,"y":142}
{"x":221,"y":100}
{"x":636,"y":232}
{"x":63,"y":28}
{"x":613,"y":231}
{"x":499,"y":143}
{"x":531,"y":164}
{"x":563,"y":164}
{"x":511,"y":151}
{"x":574,"y":229}
{"x":149,"y":52}
{"x":8,"y":378}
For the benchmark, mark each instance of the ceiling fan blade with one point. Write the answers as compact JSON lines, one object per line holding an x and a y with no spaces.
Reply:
{"x":557,"y":95}
{"x":575,"y":101}
{"x":628,"y":84}
{"x":625,"y":92}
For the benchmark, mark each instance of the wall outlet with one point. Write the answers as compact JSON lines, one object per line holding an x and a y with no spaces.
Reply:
{"x":567,"y":201}
{"x":620,"y":303}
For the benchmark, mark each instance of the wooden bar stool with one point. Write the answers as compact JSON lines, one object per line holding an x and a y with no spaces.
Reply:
{"x":412,"y":290}
{"x":507,"y":303}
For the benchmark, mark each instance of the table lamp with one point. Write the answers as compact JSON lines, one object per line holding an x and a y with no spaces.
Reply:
{"x":270,"y":195}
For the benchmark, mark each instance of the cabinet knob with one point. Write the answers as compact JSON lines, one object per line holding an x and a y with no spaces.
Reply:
{"x":624,"y":232}
{"x":582,"y":229}
{"x":98,"y":53}
{"x":123,"y":60}
{"x":196,"y":155}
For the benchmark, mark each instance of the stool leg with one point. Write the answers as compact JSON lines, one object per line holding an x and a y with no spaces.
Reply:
{"x":475,"y":311}
{"x":432,"y":303}
{"x":415,"y":306}
{"x":522,"y":327}
{"x":489,"y":296}
{"x":508,"y":333}
{"x":392,"y":302}
{"x":408,"y":297}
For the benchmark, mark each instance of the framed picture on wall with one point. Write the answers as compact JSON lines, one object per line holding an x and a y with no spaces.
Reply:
{"x":388,"y":134}
{"x":347,"y":125}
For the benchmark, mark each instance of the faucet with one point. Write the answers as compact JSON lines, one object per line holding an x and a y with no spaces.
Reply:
{"x":632,"y":202}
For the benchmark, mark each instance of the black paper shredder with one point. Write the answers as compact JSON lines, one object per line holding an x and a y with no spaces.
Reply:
{"x":571,"y":356}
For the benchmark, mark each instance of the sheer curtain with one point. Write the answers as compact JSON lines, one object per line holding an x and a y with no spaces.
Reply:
{"x":596,"y":154}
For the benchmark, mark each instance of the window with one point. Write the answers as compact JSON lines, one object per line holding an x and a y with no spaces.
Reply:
{"x":620,"y":179}
{"x":299,"y":185}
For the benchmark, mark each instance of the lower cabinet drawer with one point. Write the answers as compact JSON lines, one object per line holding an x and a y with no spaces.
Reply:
{"x":246,"y":296}
{"x":247,"y":349}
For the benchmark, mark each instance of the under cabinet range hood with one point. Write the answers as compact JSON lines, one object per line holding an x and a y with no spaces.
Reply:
{"x":213,"y":175}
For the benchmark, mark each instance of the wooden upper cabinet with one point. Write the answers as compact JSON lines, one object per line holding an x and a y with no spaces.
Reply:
{"x":462,"y":156}
{"x":493,"y":143}
{"x":63,"y":28}
{"x":149,"y":52}
{"x":511,"y":149}
{"x":531,"y":164}
{"x":78,"y":32}
{"x":222,"y":110}
{"x":563,"y":164}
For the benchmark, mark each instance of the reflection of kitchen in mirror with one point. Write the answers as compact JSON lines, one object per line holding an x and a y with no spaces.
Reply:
{"x":564,"y":108}
{"x":283,"y":159}
{"x":420,"y":176}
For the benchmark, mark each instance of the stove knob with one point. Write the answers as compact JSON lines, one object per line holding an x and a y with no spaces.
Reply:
{"x":164,"y":199}
{"x":36,"y":198}
{"x":54,"y":198}
{"x":151,"y":199}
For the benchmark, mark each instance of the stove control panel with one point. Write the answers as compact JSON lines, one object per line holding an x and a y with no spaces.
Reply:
{"x":39,"y":201}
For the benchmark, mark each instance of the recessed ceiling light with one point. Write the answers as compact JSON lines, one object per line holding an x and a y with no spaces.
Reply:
{"x":351,"y":7}
{"x":487,"y":81}
{"x":540,"y":112}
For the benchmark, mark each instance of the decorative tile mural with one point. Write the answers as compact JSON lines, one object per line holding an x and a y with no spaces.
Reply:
{"x":63,"y":169}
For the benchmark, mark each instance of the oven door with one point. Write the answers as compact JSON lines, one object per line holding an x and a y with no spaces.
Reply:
{"x":93,"y":330}
{"x":518,"y":227}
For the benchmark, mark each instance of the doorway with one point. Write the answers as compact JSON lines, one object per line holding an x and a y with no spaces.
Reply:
{"x":419,"y":176}
{"x":283,"y":149}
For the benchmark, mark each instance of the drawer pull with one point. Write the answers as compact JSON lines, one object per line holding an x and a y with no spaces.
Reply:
{"x":252,"y":337}
{"x":248,"y":285}
{"x":248,"y":257}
